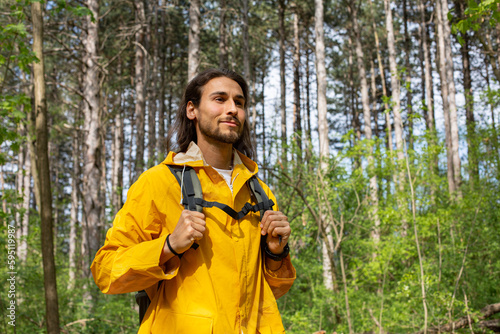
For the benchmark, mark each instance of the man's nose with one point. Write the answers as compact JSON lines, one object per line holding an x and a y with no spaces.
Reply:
{"x":231,"y":107}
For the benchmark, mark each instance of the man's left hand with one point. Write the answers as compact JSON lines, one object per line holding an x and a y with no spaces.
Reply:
{"x":275,"y":224}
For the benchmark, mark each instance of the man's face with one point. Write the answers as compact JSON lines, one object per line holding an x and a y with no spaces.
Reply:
{"x":220,"y":115}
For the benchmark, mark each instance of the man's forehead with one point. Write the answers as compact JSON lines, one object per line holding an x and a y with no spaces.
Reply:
{"x":222,"y":85}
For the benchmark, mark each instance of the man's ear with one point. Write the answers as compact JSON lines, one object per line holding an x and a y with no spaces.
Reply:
{"x":190,"y":111}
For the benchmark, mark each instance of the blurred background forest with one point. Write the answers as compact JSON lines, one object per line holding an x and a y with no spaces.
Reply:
{"x":375,"y":122}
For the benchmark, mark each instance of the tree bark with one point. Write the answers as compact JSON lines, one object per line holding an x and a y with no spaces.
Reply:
{"x":324,"y":145}
{"x":381,"y":69}
{"x":223,"y":61}
{"x":297,"y":119}
{"x":92,"y":147}
{"x":445,"y":92}
{"x":469,"y":101}
{"x":451,"y":95}
{"x":396,"y":92}
{"x":140,"y":86}
{"x":42,"y":138}
{"x":194,"y":39}
{"x":246,"y":42}
{"x":409,"y":93}
{"x":281,"y":16}
{"x":117,"y":153}
{"x":23,"y":242}
{"x":365,"y":100}
{"x":73,"y":224}
{"x":153,"y":87}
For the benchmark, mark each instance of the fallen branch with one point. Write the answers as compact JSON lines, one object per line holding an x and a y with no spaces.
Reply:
{"x":463,"y":322}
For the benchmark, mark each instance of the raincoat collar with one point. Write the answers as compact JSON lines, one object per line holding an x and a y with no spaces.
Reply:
{"x":193,"y":157}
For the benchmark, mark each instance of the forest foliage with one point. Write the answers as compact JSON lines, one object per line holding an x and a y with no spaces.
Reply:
{"x":394,"y":231}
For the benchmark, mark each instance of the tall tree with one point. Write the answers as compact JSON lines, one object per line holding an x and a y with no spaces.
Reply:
{"x":447,"y":93}
{"x":396,"y":91}
{"x":282,"y":37}
{"x":42,"y":138}
{"x":140,"y":85}
{"x":469,"y":98}
{"x":91,"y":180}
{"x":297,"y":119}
{"x":365,"y":100}
{"x":194,"y":39}
{"x":324,"y":144}
{"x":223,"y":61}
{"x":409,"y":93}
{"x":452,"y":105}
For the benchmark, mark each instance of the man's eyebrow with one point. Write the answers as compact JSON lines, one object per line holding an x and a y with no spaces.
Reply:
{"x":239,"y":96}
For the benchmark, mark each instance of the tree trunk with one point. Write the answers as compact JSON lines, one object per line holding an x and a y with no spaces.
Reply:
{"x":117,"y":153}
{"x":281,"y":15}
{"x":42,"y":134}
{"x":140,"y":86}
{"x":297,"y":119}
{"x":223,"y":61}
{"x":452,"y":186}
{"x":153,"y":87}
{"x":23,"y":236}
{"x":409,"y":93}
{"x":451,"y":96}
{"x":469,"y":101}
{"x":324,"y":145}
{"x":427,"y":92}
{"x":92,"y":147}
{"x":365,"y":100}
{"x":194,"y":39}
{"x":246,"y":42}
{"x":73,"y":224}
{"x":396,"y":92}
{"x":163,"y":43}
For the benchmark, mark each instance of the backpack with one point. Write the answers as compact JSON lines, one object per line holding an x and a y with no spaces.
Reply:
{"x":192,"y":199}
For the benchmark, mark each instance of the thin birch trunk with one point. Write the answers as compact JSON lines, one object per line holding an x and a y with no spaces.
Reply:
{"x":452,"y":186}
{"x":140,"y":86}
{"x":42,"y":139}
{"x":297,"y":119}
{"x":469,"y":101}
{"x":24,"y":230}
{"x":365,"y":100}
{"x":451,"y":96}
{"x":396,"y":92}
{"x":281,"y":16}
{"x":409,"y":93}
{"x":324,"y":145}
{"x":73,"y":225}
{"x":382,"y":79}
{"x":194,"y":39}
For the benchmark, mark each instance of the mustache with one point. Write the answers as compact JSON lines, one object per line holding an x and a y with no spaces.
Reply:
{"x":231,"y":119}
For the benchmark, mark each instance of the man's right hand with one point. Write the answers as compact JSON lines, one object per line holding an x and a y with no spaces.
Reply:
{"x":190,"y":227}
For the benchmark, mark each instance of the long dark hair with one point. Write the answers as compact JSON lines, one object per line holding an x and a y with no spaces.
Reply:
{"x":184,"y":129}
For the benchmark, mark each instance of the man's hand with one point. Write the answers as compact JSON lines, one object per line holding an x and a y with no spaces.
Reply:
{"x":190,"y":227}
{"x":275,"y":224}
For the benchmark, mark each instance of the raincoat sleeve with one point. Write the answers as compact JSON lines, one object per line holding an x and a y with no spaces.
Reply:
{"x":280,"y":280}
{"x":130,"y":258}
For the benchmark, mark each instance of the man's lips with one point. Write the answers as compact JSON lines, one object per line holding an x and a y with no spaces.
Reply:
{"x":231,"y":122}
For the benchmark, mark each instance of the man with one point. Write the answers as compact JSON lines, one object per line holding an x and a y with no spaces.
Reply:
{"x":228,"y":284}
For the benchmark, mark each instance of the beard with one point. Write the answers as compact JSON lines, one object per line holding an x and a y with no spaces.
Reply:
{"x":214,"y":132}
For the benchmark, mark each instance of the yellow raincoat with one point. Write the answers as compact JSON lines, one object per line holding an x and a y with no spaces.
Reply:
{"x":222,"y":287}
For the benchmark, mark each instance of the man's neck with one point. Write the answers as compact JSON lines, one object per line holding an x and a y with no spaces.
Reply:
{"x":218,"y":155}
